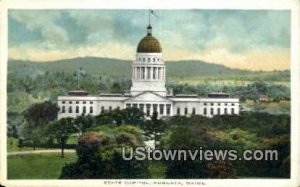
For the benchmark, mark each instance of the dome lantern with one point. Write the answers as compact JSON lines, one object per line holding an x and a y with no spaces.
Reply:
{"x":149,"y":30}
{"x":149,"y":44}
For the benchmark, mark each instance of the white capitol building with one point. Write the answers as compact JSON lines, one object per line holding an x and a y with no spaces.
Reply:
{"x":148,"y":92}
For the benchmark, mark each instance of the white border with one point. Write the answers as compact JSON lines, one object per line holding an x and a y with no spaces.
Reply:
{"x":293,"y":5}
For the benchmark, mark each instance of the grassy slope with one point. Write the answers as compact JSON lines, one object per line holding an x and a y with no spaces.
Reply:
{"x":37,"y":166}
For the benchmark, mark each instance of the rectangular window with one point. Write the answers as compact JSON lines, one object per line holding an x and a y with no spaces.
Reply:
{"x":155,"y":108}
{"x":194,"y":111}
{"x":63,"y":110}
{"x":70,"y":102}
{"x":142,"y":107}
{"x":205,"y":104}
{"x":84,"y":109}
{"x":219,"y":111}
{"x":219,"y":104}
{"x":138,"y":73}
{"x":168,"y":109}
{"x":154,"y":73}
{"x":70,"y":109}
{"x":149,"y":59}
{"x":83,"y":102}
{"x":148,"y":109}
{"x":161,"y":109}
{"x":77,"y":102}
{"x":91,"y":102}
{"x":225,"y":111}
{"x":102,"y":109}
{"x":148,"y":73}
{"x":63,"y":102}
{"x":212,"y":104}
{"x":118,"y":108}
{"x":128,"y":105}
{"x":178,"y":111}
{"x":143,"y":72}
{"x":232,"y":111}
{"x":134,"y":105}
{"x":110,"y":108}
{"x":186,"y":111}
{"x":211,"y":111}
{"x":205,"y":111}
{"x":77,"y":109}
{"x":225,"y":104}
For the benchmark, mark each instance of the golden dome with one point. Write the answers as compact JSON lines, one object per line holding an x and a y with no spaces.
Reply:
{"x":149,"y":44}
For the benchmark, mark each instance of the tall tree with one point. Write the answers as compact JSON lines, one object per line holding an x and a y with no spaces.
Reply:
{"x":154,"y":128}
{"x":82,"y":123}
{"x":40,"y":114}
{"x":62,"y":130}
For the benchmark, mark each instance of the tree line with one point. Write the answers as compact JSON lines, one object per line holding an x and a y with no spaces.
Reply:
{"x":101,"y":136}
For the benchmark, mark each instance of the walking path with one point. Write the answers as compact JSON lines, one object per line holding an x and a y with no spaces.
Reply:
{"x":41,"y":151}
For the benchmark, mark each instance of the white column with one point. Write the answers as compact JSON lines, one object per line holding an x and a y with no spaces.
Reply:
{"x":146,"y":73}
{"x":145,"y":108}
{"x":165,"y":109}
{"x":136,"y":73}
{"x":140,"y":73}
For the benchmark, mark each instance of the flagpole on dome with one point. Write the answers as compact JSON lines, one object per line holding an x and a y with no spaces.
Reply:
{"x":149,"y":14}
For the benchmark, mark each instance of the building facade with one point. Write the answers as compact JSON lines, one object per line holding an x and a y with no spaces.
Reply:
{"x":148,"y":92}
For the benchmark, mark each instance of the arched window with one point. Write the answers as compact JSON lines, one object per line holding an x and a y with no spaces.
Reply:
{"x":70,"y":109}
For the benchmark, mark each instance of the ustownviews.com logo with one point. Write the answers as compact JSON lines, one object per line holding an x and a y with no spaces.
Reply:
{"x":143,"y":153}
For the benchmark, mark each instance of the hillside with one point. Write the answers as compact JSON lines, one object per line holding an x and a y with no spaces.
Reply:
{"x":116,"y":68}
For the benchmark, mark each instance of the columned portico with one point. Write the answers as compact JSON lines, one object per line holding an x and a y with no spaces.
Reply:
{"x":148,"y":108}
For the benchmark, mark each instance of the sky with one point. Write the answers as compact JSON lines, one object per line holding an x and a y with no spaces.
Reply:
{"x":244,"y":39}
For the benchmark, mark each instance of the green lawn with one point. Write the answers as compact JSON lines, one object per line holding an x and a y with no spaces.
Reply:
{"x":12,"y":144}
{"x":37,"y":166}
{"x":48,"y":166}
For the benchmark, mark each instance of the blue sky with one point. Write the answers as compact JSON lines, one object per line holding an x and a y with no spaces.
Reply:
{"x":246,"y":39}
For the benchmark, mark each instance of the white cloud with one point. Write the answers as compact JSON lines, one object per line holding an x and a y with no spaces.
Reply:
{"x":43,"y":22}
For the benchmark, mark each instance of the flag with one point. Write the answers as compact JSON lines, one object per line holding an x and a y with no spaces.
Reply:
{"x":153,"y":13}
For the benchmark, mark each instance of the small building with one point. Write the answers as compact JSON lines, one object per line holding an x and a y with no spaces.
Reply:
{"x":263,"y":98}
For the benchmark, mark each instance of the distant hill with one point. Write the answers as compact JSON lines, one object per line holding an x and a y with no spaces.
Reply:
{"x":116,"y":68}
